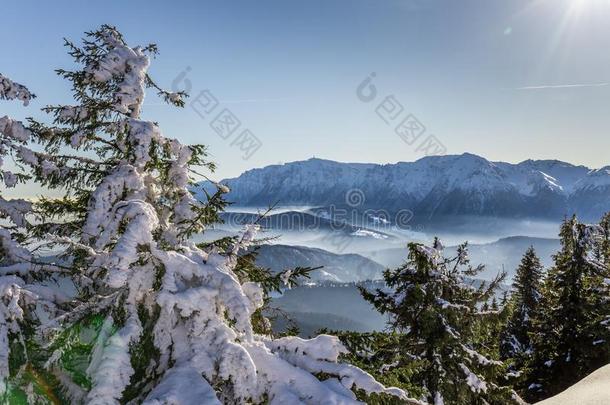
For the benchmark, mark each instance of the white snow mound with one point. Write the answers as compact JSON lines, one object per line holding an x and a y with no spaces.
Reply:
{"x":594,"y":389}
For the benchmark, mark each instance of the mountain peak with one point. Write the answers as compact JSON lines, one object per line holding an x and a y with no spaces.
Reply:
{"x":317,"y":159}
{"x":441,"y":158}
{"x":465,"y":184}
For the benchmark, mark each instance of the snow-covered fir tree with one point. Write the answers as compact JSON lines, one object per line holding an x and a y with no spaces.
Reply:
{"x":571,"y":336}
{"x":24,"y":300}
{"x":602,"y":253}
{"x":434,"y":312}
{"x":128,"y":309}
{"x":602,"y":247}
{"x":523,"y":305}
{"x":487,"y":333}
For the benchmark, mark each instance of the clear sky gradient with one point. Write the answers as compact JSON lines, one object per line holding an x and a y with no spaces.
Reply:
{"x":508,"y":80}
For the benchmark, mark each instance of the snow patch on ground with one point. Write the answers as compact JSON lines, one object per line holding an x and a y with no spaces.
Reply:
{"x":591,"y":390}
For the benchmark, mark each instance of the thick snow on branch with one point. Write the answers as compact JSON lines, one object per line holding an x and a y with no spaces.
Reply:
{"x":114,"y":368}
{"x":14,"y":130}
{"x":13,"y":135}
{"x":479,"y":358}
{"x":14,"y":258}
{"x":15,"y":210}
{"x":128,"y":64}
{"x":10,"y":90}
{"x":434,"y":255}
{"x":320,"y":355}
{"x":15,"y":296}
{"x":205,"y":334}
{"x":475,"y":383}
{"x":178,"y":388}
{"x":11,"y":251}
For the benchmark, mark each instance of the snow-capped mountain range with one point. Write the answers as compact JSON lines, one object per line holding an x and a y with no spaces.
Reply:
{"x":433,"y":186}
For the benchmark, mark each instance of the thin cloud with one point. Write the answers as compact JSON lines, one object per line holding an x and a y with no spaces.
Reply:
{"x":562,"y":86}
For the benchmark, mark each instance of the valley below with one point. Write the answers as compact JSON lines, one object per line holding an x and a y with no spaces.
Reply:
{"x":355,"y":220}
{"x":353,"y":254}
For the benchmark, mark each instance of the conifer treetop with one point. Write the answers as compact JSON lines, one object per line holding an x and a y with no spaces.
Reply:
{"x":434,"y":308}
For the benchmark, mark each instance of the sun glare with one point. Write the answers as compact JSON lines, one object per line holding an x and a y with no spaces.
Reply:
{"x":578,"y":7}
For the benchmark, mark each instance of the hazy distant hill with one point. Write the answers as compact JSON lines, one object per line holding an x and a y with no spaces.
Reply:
{"x":334,"y":306}
{"x":298,"y":221}
{"x":504,"y":254}
{"x":337,"y":267}
{"x":327,"y":306}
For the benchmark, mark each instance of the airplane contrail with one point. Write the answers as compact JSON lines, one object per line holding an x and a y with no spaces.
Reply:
{"x":562,"y":86}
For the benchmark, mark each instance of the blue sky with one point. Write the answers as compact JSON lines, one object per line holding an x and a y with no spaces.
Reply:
{"x":508,"y":80}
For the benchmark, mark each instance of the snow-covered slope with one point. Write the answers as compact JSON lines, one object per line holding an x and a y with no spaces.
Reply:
{"x":592,"y":192}
{"x":433,"y":186}
{"x":594,"y":389}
